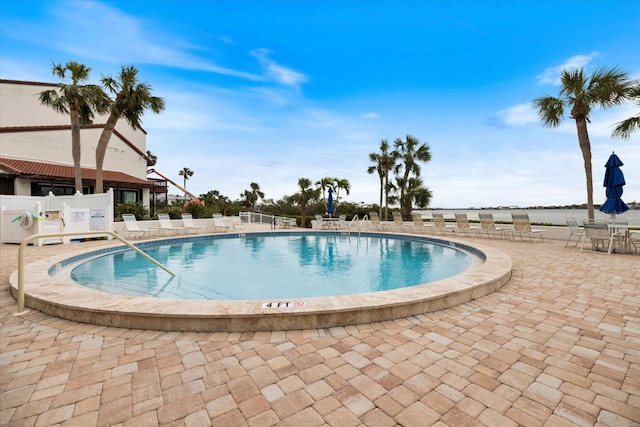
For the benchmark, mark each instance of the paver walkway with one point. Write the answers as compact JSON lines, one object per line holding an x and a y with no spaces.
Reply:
{"x":559,"y":345}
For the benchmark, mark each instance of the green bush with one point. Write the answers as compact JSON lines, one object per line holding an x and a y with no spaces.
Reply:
{"x":136,"y":209}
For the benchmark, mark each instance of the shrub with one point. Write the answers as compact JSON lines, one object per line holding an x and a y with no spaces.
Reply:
{"x":136,"y":209}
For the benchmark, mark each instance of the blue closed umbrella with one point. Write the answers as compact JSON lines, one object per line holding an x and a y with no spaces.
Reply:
{"x":613,"y":181}
{"x":330,"y":202}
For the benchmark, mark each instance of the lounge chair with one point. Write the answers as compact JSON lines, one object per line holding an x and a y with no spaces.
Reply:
{"x":375,"y":221}
{"x":576,"y":231}
{"x":489,"y":226}
{"x":133,"y":228}
{"x":167,"y":226}
{"x":463,"y":225}
{"x":522,"y":226}
{"x":418,"y":223}
{"x":441,"y":224}
{"x":221,"y":223}
{"x":189,"y":224}
{"x":599,"y":235}
{"x":398,"y":222}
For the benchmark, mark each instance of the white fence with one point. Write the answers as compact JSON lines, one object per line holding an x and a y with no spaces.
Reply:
{"x":54,"y":214}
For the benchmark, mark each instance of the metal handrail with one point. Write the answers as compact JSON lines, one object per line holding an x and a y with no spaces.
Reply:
{"x":26,"y":241}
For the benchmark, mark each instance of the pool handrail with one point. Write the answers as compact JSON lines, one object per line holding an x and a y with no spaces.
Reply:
{"x":26,"y":241}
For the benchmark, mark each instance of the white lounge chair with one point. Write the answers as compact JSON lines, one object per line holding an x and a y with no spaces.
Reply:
{"x":489,"y":226}
{"x":375,"y":221}
{"x":522,"y":226}
{"x":599,"y":235}
{"x":223,"y":223}
{"x":440,"y":223}
{"x":462,"y":223}
{"x":166,"y":226}
{"x":398,"y":222}
{"x":190,"y":225}
{"x":418,"y":223}
{"x":576,"y":231}
{"x":133,"y":228}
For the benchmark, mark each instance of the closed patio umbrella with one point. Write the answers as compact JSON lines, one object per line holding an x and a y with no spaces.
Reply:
{"x":614,"y":181}
{"x":330,"y":202}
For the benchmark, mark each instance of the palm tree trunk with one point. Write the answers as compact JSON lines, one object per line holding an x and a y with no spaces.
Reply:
{"x":386,"y":195}
{"x":75,"y":145}
{"x":585,"y":147}
{"x":101,"y":150}
{"x":381,"y":188}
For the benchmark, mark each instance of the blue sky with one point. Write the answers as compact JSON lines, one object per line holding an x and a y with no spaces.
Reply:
{"x":272,"y":91}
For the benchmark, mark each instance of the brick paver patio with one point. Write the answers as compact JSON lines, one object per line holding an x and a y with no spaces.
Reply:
{"x":559,"y":345}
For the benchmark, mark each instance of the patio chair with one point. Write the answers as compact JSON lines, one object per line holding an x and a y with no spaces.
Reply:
{"x":190,"y":225}
{"x":489,"y":226}
{"x":598,"y":233}
{"x":375,"y":221}
{"x":133,"y":228}
{"x":441,"y":224}
{"x":463,"y":225}
{"x":522,"y":227}
{"x":167,"y":226}
{"x":221,"y":223}
{"x":398,"y":222}
{"x":576,"y":231}
{"x":419,"y":224}
{"x":634,"y":240}
{"x":342,"y":222}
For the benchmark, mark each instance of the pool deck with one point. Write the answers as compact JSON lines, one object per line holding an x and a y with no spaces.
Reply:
{"x":557,"y":345}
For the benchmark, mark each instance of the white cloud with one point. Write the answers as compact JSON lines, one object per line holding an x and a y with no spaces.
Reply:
{"x":552,"y":75}
{"x":520,"y":114}
{"x":276,"y":71}
{"x":370,"y":115}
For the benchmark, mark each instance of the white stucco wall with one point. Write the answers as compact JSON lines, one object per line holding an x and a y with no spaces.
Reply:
{"x":20,"y":107}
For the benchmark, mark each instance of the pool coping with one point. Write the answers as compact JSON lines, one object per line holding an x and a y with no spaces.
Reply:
{"x":81,"y":304}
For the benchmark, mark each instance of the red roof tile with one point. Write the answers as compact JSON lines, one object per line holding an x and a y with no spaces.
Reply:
{"x":28,"y":168}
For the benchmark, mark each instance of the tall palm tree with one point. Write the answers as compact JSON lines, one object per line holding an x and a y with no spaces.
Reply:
{"x":384,"y":162}
{"x":580,"y":93}
{"x":341,"y":184}
{"x":625,"y":128}
{"x":307,"y":194}
{"x":252,"y":197}
{"x":410,"y":152}
{"x":325,"y":183}
{"x":130,"y":102}
{"x":186,"y":173}
{"x":77,"y":100}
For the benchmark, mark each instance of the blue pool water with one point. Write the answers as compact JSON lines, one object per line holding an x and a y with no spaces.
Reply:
{"x":273,"y":266}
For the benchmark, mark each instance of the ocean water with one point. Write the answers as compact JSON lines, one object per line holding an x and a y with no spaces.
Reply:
{"x":540,"y":216}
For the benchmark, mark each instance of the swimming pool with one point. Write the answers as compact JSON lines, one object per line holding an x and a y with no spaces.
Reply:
{"x":68,"y":300}
{"x":267,"y":266}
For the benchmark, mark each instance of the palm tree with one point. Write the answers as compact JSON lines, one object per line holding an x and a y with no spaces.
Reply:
{"x":77,"y":100}
{"x":625,"y":128}
{"x":417,"y":193}
{"x":186,"y":173}
{"x":131,"y":101}
{"x":341,"y":184}
{"x":152,"y":159}
{"x":580,"y":93}
{"x":409,"y":152}
{"x":384,"y":162}
{"x":323,"y":184}
{"x":252,"y":197}
{"x":306,"y":195}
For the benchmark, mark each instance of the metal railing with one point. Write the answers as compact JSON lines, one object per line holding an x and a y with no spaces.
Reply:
{"x":26,"y":241}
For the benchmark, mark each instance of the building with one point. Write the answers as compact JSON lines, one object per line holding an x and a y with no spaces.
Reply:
{"x":35,"y":150}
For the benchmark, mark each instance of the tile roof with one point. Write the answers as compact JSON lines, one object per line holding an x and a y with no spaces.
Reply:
{"x":28,"y":168}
